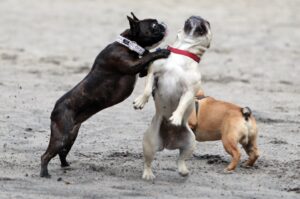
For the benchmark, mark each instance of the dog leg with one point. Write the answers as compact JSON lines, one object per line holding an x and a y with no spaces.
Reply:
{"x":231,"y":147}
{"x":141,"y":100}
{"x":185,"y":100}
{"x":54,"y":147}
{"x":186,"y":152}
{"x":252,"y":151}
{"x":151,"y":144}
{"x":64,"y":152}
{"x":60,"y":137}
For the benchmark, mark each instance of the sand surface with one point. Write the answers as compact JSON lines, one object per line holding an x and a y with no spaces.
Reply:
{"x":46,"y":47}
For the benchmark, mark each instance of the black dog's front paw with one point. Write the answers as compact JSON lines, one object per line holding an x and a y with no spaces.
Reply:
{"x":163,"y":53}
{"x":144,"y":72}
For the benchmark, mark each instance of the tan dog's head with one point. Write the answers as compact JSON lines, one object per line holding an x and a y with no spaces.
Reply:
{"x":196,"y":34}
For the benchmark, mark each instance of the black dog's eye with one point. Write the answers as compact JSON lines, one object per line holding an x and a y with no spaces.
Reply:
{"x":154,"y":26}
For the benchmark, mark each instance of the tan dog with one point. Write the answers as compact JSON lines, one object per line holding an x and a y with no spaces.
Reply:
{"x":218,"y":120}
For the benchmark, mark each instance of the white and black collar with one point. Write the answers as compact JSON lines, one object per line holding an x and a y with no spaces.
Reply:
{"x":132,"y":45}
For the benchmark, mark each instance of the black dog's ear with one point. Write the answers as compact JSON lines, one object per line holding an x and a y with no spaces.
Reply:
{"x":134,"y":17}
{"x":134,"y":26}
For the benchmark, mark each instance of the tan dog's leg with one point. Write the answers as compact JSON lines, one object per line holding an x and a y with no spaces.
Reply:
{"x":186,"y":152}
{"x":151,"y":144}
{"x":252,"y":151}
{"x":231,"y":146}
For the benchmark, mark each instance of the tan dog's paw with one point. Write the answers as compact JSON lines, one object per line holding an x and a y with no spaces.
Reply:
{"x":176,"y":119}
{"x":140,"y":102}
{"x":246,"y":166}
{"x":148,"y":175}
{"x":227,"y":171}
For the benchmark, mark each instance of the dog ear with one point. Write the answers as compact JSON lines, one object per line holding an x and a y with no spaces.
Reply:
{"x":208,"y":24}
{"x":134,"y":26}
{"x":134,"y":17}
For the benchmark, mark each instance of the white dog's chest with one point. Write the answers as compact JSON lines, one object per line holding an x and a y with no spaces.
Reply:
{"x":172,"y":81}
{"x":170,"y":85}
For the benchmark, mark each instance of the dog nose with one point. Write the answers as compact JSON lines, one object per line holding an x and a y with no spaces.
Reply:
{"x":165,"y":28}
{"x":164,"y":25}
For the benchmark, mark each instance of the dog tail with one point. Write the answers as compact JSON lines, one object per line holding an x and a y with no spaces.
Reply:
{"x":246,"y":112}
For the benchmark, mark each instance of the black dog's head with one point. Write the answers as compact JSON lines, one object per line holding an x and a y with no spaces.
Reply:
{"x":146,"y":32}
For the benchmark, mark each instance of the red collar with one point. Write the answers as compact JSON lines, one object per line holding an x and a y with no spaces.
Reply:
{"x":195,"y":57}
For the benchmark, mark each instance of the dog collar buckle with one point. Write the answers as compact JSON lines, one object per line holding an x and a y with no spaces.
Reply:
{"x":186,"y":53}
{"x":132,"y":45}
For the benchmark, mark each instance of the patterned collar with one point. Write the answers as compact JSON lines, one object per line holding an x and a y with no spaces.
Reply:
{"x":132,"y":45}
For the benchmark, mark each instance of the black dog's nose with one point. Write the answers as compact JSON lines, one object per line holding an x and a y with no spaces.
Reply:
{"x":164,"y":25}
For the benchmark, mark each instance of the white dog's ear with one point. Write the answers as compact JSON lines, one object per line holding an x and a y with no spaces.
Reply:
{"x":209,"y":34}
{"x":179,"y":35}
{"x":208,"y":24}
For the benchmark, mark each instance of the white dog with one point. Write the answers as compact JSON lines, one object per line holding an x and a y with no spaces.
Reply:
{"x":175,"y":81}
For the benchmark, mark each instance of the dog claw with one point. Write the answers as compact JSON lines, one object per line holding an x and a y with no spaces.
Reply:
{"x":140,"y":102}
{"x":148,"y":175}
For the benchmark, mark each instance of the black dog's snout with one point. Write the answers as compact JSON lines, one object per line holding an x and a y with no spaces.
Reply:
{"x":164,"y":25}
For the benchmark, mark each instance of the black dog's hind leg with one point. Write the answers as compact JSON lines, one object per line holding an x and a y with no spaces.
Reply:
{"x":69,"y":143}
{"x":61,"y":128}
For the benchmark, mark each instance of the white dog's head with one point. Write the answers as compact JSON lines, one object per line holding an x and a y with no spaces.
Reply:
{"x":196,"y":34}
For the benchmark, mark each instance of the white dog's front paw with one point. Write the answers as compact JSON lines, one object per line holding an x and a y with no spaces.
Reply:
{"x":140,"y":102}
{"x":148,"y":175}
{"x":176,"y":119}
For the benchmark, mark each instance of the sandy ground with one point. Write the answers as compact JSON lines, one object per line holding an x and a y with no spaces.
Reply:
{"x":47,"y":46}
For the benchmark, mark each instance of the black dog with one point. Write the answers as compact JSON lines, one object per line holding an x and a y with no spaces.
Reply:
{"x":110,"y":81}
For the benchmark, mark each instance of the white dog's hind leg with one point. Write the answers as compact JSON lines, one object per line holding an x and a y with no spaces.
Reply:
{"x":151,"y":144}
{"x":185,"y":100}
{"x":186,"y":152}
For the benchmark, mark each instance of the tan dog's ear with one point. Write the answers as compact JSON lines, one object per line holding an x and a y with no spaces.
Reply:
{"x":200,"y":93}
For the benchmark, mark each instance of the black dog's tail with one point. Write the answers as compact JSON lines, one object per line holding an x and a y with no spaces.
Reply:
{"x":246,"y":111}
